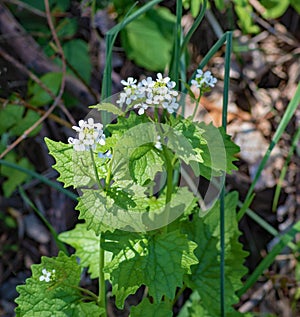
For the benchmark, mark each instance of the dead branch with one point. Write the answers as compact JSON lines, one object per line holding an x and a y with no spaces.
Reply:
{"x":57,"y":98}
{"x":28,"y":51}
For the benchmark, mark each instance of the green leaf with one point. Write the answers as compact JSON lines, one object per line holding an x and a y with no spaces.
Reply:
{"x":125,"y":206}
{"x":149,"y":260}
{"x":129,"y":149}
{"x":77,"y":54}
{"x":193,"y":308}
{"x":67,"y":28}
{"x":220,"y":5}
{"x":58,"y":5}
{"x":124,"y":124}
{"x":14,"y":178}
{"x":148,"y":40}
{"x":145,"y":308}
{"x":60,"y":296}
{"x":144,"y":164}
{"x":15,"y":120}
{"x":62,"y":5}
{"x":218,"y":153}
{"x":195,"y":7}
{"x":101,"y":212}
{"x":75,"y":168}
{"x":296,"y":5}
{"x":205,"y":276}
{"x":274,"y":8}
{"x":9,"y":116}
{"x":135,"y":158}
{"x":39,"y":97}
{"x":27,"y":121}
{"x":244,"y":12}
{"x":109,"y":107}
{"x":194,"y":135}
{"x":87,"y":246}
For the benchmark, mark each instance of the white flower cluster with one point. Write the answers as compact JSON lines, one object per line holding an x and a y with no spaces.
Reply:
{"x":46,"y":276}
{"x":149,"y":92}
{"x":204,"y":80}
{"x":89,"y":134}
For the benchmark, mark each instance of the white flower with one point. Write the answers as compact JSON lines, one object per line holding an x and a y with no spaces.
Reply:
{"x":142,"y":107}
{"x":148,"y":92}
{"x":162,"y":80}
{"x":204,"y":80}
{"x":147,"y":83}
{"x":46,"y":276}
{"x":209,"y":79}
{"x":89,"y":134}
{"x":199,"y":73}
{"x":171,"y":105}
{"x":129,"y":83}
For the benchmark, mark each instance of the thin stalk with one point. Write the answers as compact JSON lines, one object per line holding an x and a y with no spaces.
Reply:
{"x":95,"y":169}
{"x":59,"y":244}
{"x":265,"y":225}
{"x":222,"y":198}
{"x":110,"y":39}
{"x":175,"y":63}
{"x":197,"y":106}
{"x":169,"y":168}
{"x":179,"y":294}
{"x":269,"y":259}
{"x":102,"y":290}
{"x":291,"y":108}
{"x":222,"y":251}
{"x":108,"y":175}
{"x":42,"y":178}
{"x":194,"y":27}
{"x":84,"y":290}
{"x":214,"y":23}
{"x":208,"y":56}
{"x":285,"y":168}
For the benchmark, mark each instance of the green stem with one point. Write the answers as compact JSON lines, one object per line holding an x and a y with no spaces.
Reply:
{"x":179,"y":294}
{"x":169,"y":167}
{"x":111,"y":36}
{"x":41,"y":178}
{"x":95,"y":169}
{"x":222,"y":198}
{"x":102,"y":290}
{"x":84,"y":290}
{"x":108,"y":175}
{"x":175,"y":62}
{"x":291,"y":108}
{"x":269,"y":259}
{"x":194,"y":27}
{"x":197,"y":106}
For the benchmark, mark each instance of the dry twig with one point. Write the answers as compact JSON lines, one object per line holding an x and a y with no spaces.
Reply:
{"x":58,"y":97}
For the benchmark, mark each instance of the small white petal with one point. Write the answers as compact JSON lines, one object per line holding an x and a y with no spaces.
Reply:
{"x":102,"y":141}
{"x":90,"y":121}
